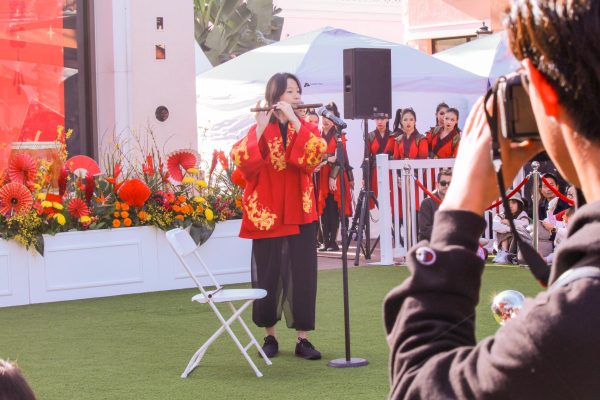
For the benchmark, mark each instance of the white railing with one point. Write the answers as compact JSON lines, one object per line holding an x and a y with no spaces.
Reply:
{"x":397,"y":245}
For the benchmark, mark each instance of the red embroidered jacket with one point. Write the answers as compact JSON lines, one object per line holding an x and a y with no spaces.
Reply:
{"x":443,"y":148}
{"x":326,"y":172}
{"x":414,"y":147}
{"x":279,"y":193}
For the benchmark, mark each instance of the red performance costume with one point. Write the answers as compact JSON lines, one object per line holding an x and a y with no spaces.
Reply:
{"x":443,"y":148}
{"x":331,"y":170}
{"x":378,"y":144}
{"x":413,"y":148}
{"x":279,"y":194}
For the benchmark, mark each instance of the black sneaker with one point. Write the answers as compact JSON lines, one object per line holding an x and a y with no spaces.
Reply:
{"x":271,"y":347}
{"x":306,"y":350}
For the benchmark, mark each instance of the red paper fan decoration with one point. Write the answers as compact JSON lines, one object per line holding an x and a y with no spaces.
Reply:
{"x":78,"y":208}
{"x":22,"y":168}
{"x":134,"y":192}
{"x":15,"y":198}
{"x":83,"y":166}
{"x":179,"y":161}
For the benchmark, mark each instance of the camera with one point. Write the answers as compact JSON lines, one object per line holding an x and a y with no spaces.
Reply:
{"x":516,"y":115}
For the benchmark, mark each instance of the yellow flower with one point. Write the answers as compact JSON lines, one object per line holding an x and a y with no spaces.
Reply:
{"x":42,"y":196}
{"x":58,"y":206}
{"x":201,"y":183}
{"x":60,"y":219}
{"x":37,"y":186}
{"x":199,"y":199}
{"x":85,"y":219}
{"x":188,"y":179}
{"x":208,"y":214}
{"x":194,"y":171}
{"x":46,"y":204}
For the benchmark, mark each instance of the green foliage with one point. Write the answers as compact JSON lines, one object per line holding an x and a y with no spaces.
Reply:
{"x":227,"y":28}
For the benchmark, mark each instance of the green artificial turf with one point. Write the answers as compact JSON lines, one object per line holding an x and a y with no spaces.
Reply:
{"x":136,"y":346}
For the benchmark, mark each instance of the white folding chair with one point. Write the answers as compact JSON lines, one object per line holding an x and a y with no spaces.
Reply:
{"x":187,"y":251}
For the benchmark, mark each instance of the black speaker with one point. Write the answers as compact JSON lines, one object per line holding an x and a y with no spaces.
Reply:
{"x":367,"y":83}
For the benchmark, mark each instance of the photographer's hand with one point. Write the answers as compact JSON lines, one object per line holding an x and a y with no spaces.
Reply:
{"x":474,"y":186}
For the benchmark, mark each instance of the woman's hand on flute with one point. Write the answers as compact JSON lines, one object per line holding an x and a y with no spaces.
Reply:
{"x":290,"y":114}
{"x":262,"y":120}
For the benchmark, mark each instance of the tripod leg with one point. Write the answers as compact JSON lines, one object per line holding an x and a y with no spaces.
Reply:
{"x":364,"y":210}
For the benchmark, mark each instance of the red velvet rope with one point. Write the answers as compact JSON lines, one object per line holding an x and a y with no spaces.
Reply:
{"x":556,"y":192}
{"x":427,"y":192}
{"x":496,"y":204}
{"x":511,"y":194}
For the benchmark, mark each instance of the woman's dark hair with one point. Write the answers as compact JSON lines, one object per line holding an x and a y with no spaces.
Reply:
{"x":276,"y":87}
{"x":13,"y":385}
{"x":397,"y":120}
{"x":561,"y":40}
{"x":520,"y":208}
{"x":331,"y":106}
{"x":409,"y":111}
{"x":454,"y":111}
{"x":440,"y":106}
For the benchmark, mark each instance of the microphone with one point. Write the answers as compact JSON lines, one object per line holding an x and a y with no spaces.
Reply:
{"x":331,"y":116}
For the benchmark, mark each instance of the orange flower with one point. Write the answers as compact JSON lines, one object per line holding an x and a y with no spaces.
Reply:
{"x":179,"y":217}
{"x":124,"y":214}
{"x":143,"y":215}
{"x":116,"y":223}
{"x":176,"y":208}
{"x":116,"y":214}
{"x":124,"y":206}
{"x":181,"y":199}
{"x":200,"y":209}
{"x":117,"y":205}
{"x":101,"y":199}
{"x":186,"y":209}
{"x":127,"y":222}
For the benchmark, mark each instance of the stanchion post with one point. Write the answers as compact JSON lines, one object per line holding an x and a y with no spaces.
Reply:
{"x":536,"y":203}
{"x":407,"y":173}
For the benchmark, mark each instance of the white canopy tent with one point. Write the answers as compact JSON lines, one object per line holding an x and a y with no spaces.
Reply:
{"x":489,"y":57}
{"x":202,"y":62}
{"x":226,"y":93}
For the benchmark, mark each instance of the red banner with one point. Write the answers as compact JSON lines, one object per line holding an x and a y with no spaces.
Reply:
{"x":32,"y":71}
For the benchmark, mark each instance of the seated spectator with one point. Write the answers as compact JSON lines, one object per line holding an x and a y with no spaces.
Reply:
{"x":13,"y":385}
{"x":549,"y":206}
{"x":429,"y":206}
{"x":561,"y":233}
{"x":505,"y":242}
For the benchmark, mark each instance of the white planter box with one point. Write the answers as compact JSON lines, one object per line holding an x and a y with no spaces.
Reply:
{"x":227,"y":257}
{"x":14,"y":274}
{"x":81,"y":265}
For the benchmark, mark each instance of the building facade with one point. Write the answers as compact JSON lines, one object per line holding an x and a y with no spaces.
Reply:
{"x":428,"y":25}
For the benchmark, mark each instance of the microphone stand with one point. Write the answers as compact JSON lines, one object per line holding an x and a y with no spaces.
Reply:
{"x":348,"y":361}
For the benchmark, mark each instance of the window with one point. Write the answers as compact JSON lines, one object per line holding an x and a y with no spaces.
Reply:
{"x":438,"y":45}
{"x":45,"y":72}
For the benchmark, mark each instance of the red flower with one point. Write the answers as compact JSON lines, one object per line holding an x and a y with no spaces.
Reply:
{"x":22,"y":168}
{"x":90,"y":185}
{"x":181,"y":159}
{"x":78,"y":208}
{"x":223,"y":160}
{"x":134,"y":192}
{"x":213,"y":163}
{"x":238,"y":179}
{"x":15,"y":198}
{"x":148,"y":166}
{"x":62,"y":180}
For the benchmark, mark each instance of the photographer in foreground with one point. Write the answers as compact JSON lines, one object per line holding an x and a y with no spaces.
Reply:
{"x":550,"y":351}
